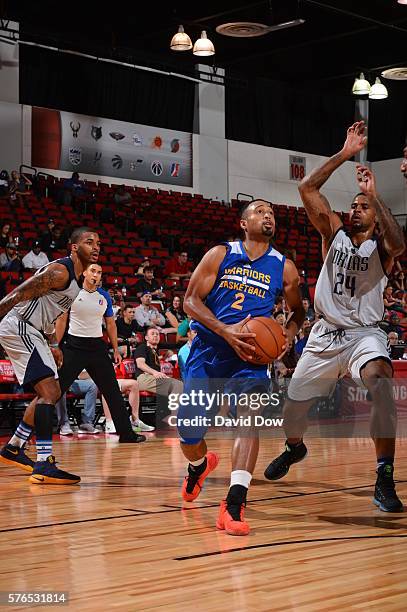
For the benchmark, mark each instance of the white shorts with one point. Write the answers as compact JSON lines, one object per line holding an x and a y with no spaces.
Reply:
{"x":27,"y":350}
{"x":329,"y":356}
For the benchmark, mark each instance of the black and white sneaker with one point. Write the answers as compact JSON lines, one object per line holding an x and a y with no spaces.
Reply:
{"x":279,"y":467}
{"x":385,"y":496}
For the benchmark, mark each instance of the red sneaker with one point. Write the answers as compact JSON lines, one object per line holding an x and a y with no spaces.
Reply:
{"x":192,"y":484}
{"x":227,"y":523}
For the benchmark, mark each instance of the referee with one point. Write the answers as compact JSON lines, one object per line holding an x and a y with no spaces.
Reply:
{"x":85,"y":349}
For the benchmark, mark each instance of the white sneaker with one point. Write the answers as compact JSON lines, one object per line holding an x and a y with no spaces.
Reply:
{"x":66,"y":430}
{"x":87,"y":428}
{"x":109,"y":427}
{"x":138,"y":425}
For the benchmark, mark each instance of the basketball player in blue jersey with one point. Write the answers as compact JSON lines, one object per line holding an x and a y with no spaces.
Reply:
{"x":27,"y":334}
{"x":233,"y":282}
{"x":349,"y":303}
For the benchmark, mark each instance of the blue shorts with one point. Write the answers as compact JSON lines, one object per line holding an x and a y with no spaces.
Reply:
{"x":214,"y":370}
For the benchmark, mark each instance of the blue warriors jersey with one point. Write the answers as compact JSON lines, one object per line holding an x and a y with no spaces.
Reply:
{"x":243,"y":287}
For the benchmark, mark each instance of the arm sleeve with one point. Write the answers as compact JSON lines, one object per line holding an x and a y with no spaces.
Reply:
{"x":183,"y":328}
{"x":109,"y":306}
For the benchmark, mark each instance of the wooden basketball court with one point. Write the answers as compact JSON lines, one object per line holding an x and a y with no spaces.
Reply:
{"x":124,"y":540}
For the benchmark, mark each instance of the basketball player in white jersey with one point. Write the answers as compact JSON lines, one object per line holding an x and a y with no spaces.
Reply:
{"x":27,"y":334}
{"x":349,"y":303}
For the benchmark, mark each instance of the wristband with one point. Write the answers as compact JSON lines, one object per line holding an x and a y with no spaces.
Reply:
{"x":54,"y":345}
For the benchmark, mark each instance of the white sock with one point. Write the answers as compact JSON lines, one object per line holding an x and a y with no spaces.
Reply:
{"x":198,"y":461}
{"x":240,"y":477}
{"x":21,"y":435}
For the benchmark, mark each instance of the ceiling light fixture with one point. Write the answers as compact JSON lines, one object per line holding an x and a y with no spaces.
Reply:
{"x":361,"y":87}
{"x":181,"y":41}
{"x":203,"y":46}
{"x":402,"y":1}
{"x":378,"y":91}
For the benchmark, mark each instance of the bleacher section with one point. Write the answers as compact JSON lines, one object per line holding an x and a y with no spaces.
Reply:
{"x":178,"y":221}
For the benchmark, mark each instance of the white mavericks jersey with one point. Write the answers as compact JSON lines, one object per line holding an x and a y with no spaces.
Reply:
{"x":42,"y":312}
{"x":349,"y":291}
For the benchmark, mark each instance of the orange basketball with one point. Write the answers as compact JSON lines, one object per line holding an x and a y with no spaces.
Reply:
{"x":269,"y":340}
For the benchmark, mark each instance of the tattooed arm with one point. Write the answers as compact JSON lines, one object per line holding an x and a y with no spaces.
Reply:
{"x":55,"y":276}
{"x":391,"y":237}
{"x":316,"y":204}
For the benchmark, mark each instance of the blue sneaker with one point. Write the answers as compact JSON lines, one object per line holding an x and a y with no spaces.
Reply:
{"x":46,"y":472}
{"x":15,"y":456}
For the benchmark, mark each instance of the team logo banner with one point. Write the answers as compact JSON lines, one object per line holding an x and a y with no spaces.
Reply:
{"x":106,"y":147}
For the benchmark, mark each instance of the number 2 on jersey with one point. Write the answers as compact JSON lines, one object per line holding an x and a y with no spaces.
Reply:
{"x":350,"y":284}
{"x":237,"y":304}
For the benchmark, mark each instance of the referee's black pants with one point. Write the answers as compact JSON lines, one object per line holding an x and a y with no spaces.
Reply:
{"x":91,"y":354}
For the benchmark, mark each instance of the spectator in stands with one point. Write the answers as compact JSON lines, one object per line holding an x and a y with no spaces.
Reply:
{"x":73,"y":190}
{"x":54,"y":241}
{"x":309,"y":311}
{"x":144,"y":264}
{"x":117,"y":304}
{"x":149,"y":283}
{"x":116,"y":291}
{"x":390,"y":302}
{"x":146,"y":315}
{"x":279,"y":305}
{"x":175,"y":314}
{"x":19,"y":187}
{"x":35,"y":259}
{"x":393,"y":338}
{"x":394,"y":325}
{"x":5,"y":234}
{"x":130,"y":389}
{"x":127,"y":328}
{"x":122,"y":197}
{"x":303,"y":337}
{"x":4,"y":183}
{"x":46,"y":237}
{"x":178,"y":267}
{"x":184,"y":352}
{"x":83,"y":385}
{"x":148,"y":369}
{"x":280,"y":317}
{"x":10,"y":260}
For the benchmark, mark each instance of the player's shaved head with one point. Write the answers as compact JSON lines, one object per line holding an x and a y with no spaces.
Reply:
{"x":78,"y":233}
{"x":245,"y":208}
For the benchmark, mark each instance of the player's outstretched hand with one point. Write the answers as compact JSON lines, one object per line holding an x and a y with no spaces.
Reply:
{"x":366,"y":180}
{"x":235,"y":337}
{"x":356,"y":139}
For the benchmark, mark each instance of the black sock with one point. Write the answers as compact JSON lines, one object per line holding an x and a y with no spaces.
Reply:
{"x":43,"y":421}
{"x":292,"y":446}
{"x":197,"y":470}
{"x":235,"y":498}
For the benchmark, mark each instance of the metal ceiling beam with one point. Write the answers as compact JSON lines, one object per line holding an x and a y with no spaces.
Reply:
{"x":376,"y":22}
{"x":306,"y":43}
